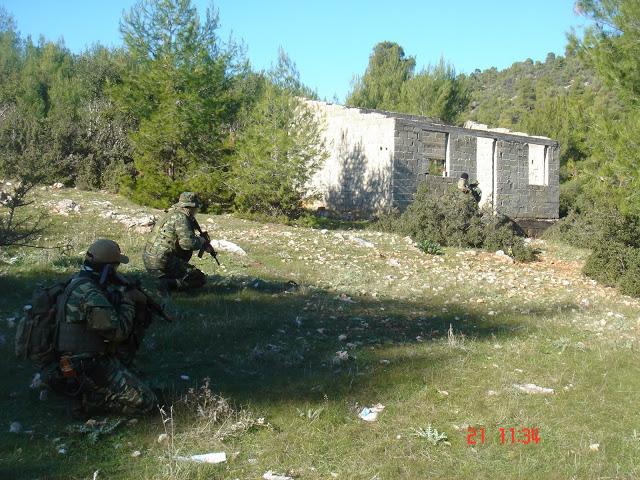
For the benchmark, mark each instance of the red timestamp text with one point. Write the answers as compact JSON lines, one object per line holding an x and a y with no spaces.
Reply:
{"x":507,"y":436}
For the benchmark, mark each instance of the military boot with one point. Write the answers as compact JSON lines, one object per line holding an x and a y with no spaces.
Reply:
{"x":76,"y":410}
{"x":165,"y":287}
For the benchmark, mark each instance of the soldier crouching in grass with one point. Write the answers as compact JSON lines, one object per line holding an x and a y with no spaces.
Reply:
{"x":97,"y":327}
{"x":170,"y":247}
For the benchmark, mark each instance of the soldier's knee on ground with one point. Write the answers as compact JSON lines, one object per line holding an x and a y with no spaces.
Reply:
{"x":193,"y":279}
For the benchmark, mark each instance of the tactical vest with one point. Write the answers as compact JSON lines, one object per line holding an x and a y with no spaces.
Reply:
{"x":75,"y":337}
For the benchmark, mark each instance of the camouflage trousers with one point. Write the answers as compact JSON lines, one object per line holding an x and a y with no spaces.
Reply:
{"x":112,"y":387}
{"x":170,"y":267}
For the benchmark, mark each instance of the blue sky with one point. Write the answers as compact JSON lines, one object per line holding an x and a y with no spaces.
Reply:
{"x":331,"y":40}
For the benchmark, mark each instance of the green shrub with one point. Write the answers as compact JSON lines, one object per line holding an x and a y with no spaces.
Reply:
{"x":615,"y":265}
{"x":629,"y":281}
{"x":443,"y":219}
{"x":431,"y":248}
{"x":613,"y":238}
{"x":387,"y":221}
{"x":595,"y":219}
{"x":453,"y":220}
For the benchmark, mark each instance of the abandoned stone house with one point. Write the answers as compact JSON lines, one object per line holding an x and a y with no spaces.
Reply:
{"x":377,"y":160}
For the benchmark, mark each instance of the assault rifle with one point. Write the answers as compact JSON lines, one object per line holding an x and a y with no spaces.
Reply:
{"x":206,"y":247}
{"x":152,"y":305}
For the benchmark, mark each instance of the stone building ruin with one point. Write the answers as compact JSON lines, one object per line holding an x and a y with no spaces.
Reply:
{"x":377,"y":160}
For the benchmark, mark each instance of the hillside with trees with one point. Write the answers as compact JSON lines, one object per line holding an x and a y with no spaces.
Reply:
{"x":177,"y":108}
{"x":170,"y":110}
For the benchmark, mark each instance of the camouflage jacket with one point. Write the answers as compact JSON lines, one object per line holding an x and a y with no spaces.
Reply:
{"x":463,"y":185}
{"x":95,"y":319}
{"x":174,"y":234}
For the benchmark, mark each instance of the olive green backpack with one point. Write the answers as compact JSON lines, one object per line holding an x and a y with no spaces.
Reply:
{"x":37,"y":330}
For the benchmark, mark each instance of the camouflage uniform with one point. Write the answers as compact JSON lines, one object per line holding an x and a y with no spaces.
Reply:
{"x":171,"y":244}
{"x":465,"y":187}
{"x":97,"y":322}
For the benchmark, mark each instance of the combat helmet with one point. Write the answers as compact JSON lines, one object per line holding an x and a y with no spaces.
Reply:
{"x":105,"y":251}
{"x":188,"y":199}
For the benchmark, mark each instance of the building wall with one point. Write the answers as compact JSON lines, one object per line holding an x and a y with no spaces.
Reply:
{"x":518,"y":197}
{"x":378,"y":159}
{"x":357,"y":177}
{"x":418,"y":152}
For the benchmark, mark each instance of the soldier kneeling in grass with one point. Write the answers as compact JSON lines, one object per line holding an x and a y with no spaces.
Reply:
{"x":99,"y":328}
{"x":170,"y":247}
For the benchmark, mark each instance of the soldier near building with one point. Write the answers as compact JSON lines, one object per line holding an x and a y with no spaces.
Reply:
{"x":99,"y":329}
{"x":171,"y":244}
{"x":466,"y":187}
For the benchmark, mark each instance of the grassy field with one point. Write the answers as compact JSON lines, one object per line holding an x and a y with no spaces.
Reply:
{"x":535,"y":358}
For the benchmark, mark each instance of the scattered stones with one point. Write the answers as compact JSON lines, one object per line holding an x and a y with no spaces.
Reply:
{"x":226,"y":246}
{"x":341,"y":357}
{"x":275,"y":476}
{"x":363,"y":243}
{"x":533,"y":388}
{"x":36,"y":382}
{"x":215,"y":457}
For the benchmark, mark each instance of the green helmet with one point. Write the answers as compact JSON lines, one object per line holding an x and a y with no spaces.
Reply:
{"x":105,"y":251}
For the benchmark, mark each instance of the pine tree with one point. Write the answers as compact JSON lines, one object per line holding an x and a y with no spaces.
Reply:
{"x":435,"y":92}
{"x":612,"y":46}
{"x":279,"y":147}
{"x":179,"y":86}
{"x":380,"y":86}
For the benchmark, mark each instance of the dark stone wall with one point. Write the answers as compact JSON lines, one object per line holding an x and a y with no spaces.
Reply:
{"x":516,"y":197}
{"x":382,"y":157}
{"x":421,"y":146}
{"x":418,"y":152}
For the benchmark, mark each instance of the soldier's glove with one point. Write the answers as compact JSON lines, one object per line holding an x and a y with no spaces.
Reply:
{"x":135,"y":296}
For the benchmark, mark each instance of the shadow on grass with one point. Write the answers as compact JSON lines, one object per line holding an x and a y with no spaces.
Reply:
{"x":259,"y":340}
{"x":269,"y":341}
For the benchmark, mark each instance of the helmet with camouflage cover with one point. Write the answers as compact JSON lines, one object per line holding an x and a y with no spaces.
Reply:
{"x":188,"y":199}
{"x":105,"y":251}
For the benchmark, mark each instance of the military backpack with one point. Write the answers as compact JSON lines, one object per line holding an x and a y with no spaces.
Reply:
{"x":37,"y":331}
